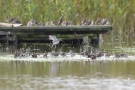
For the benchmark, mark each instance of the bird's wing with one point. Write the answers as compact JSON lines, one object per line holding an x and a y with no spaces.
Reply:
{"x":54,"y":38}
{"x":55,"y":42}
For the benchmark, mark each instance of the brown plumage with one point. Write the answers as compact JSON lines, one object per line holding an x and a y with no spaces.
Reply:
{"x":47,"y":24}
{"x":85,"y":53}
{"x":53,"y":23}
{"x":39,"y":24}
{"x":92,"y":56}
{"x":90,"y":22}
{"x":34,"y":55}
{"x":105,"y":22}
{"x":63,"y":54}
{"x":31,"y":22}
{"x":99,"y":21}
{"x":12,"y":20}
{"x":84,"y":21}
{"x":60,"y":21}
{"x":69,"y":23}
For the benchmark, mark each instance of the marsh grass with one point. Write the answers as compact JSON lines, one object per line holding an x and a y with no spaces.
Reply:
{"x":119,"y":12}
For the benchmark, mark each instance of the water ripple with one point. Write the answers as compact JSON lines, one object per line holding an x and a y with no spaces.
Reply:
{"x":27,"y":82}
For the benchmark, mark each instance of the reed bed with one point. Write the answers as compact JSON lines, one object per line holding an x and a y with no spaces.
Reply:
{"x":119,"y":12}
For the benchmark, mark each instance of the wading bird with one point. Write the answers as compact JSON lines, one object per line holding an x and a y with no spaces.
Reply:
{"x":31,"y":22}
{"x":12,"y":20}
{"x":90,"y":22}
{"x":84,"y":22}
{"x":71,"y":53}
{"x":54,"y":40}
{"x":105,"y":22}
{"x":60,"y":21}
{"x":53,"y":23}
{"x":99,"y":21}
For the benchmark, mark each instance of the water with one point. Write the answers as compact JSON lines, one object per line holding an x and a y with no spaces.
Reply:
{"x":75,"y":75}
{"x":70,"y":74}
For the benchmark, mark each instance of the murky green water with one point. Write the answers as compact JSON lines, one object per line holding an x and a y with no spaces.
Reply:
{"x":88,"y":75}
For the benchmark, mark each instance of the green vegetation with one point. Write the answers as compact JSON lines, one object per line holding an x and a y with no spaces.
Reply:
{"x":119,"y":12}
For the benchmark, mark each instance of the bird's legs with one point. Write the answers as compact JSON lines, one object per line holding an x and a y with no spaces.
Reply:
{"x":54,"y":47}
{"x":51,"y":46}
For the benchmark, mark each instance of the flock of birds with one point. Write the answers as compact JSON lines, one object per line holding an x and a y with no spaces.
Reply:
{"x":61,"y":22}
{"x":93,"y":54}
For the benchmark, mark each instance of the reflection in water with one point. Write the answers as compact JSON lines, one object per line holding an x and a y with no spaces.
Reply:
{"x":27,"y":82}
{"x":75,"y":75}
{"x":54,"y":69}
